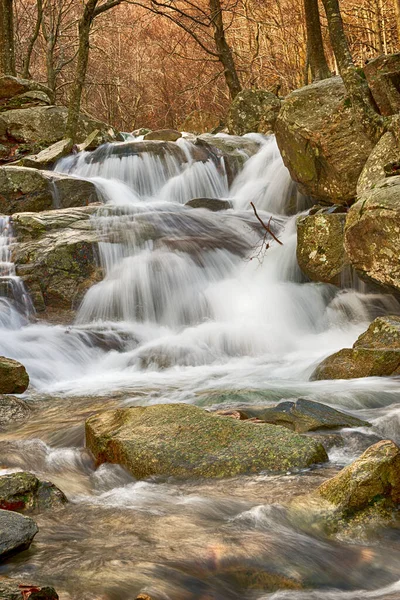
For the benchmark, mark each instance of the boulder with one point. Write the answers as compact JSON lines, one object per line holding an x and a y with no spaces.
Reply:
{"x":320,"y":246}
{"x":26,"y":189}
{"x":12,"y":410}
{"x":24,"y":492}
{"x":376,"y":353}
{"x":213,"y":204}
{"x":10,"y":590}
{"x":13,"y":376}
{"x":16,"y":533}
{"x":383,"y":77}
{"x":200,"y":121}
{"x":322,"y":142}
{"x":253,"y":111}
{"x":12,"y":86}
{"x":56,"y":256}
{"x":26,"y":100}
{"x":305,"y":415}
{"x":385,"y":152}
{"x":187,"y":442}
{"x":372,"y":234}
{"x":49,"y":156}
{"x":163,"y":135}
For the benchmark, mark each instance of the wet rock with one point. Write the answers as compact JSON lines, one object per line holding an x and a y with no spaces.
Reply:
{"x":376,"y":353}
{"x":320,"y":246}
{"x":12,"y":410}
{"x":383,"y":76}
{"x":200,"y":121}
{"x":13,"y":86}
{"x":185,"y":441}
{"x":385,"y":152}
{"x":24,"y":492}
{"x":49,"y":156}
{"x":213,"y":204}
{"x":16,"y":533}
{"x":56,"y":256}
{"x":13,"y":376}
{"x":253,"y":111}
{"x":322,"y":143}
{"x":26,"y":189}
{"x":163,"y":135}
{"x":140,"y":131}
{"x":305,"y":415}
{"x":372,"y":234}
{"x":10,"y":590}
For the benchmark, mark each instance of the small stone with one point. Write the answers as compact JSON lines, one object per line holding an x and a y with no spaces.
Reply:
{"x":16,"y":533}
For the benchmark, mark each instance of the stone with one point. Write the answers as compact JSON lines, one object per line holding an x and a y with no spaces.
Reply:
{"x":47,"y":157}
{"x":320,"y":246}
{"x":187,"y":442}
{"x":26,"y":100}
{"x":56,"y":255}
{"x":376,"y":353}
{"x":383,"y":77}
{"x":213,"y":204}
{"x":12,"y":86}
{"x":16,"y":533}
{"x":385,"y":152}
{"x":305,"y":415}
{"x":322,"y":142}
{"x":200,"y":121}
{"x":372,"y":234}
{"x":253,"y":111}
{"x":10,"y":590}
{"x":24,"y":492}
{"x":12,"y":410}
{"x":13,"y":376}
{"x":27,"y":189}
{"x":163,"y":135}
{"x":140,"y":131}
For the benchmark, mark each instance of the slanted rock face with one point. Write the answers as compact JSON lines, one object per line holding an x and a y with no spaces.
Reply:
{"x":13,"y":376}
{"x":383,"y":76}
{"x":184,"y":441}
{"x":385,"y":152}
{"x":57,"y":255}
{"x":17,"y":533}
{"x":376,"y":353}
{"x":320,"y":246}
{"x":321,"y":141}
{"x":372,"y":234}
{"x":24,"y":492}
{"x":26,"y":189}
{"x":253,"y":111}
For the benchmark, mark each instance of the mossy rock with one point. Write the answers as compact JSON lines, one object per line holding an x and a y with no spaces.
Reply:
{"x":11,"y":590}
{"x":13,"y":376}
{"x":253,"y":111}
{"x":24,"y":492}
{"x":187,"y":442}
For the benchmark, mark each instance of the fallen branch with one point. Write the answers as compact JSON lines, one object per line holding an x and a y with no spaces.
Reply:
{"x":266,"y":227}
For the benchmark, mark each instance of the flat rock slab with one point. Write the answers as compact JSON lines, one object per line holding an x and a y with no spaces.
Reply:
{"x":184,"y":441}
{"x":16,"y":533}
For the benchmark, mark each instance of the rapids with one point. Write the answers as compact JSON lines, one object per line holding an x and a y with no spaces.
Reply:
{"x":192,"y":308}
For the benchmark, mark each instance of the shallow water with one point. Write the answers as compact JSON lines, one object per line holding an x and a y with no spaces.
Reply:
{"x":193,"y":309}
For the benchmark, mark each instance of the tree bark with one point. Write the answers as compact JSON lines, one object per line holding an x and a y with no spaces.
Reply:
{"x":315,"y":46}
{"x":7,"y":57}
{"x":223,"y":49}
{"x":356,"y":87}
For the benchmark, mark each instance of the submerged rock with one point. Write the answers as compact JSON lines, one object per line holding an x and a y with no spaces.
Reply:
{"x":320,"y":246}
{"x":24,"y":492}
{"x":185,"y":441}
{"x":306,"y":415}
{"x":12,"y":410}
{"x":13,"y":376}
{"x":376,"y":353}
{"x":321,"y":141}
{"x":16,"y":533}
{"x":372,"y":234}
{"x":26,"y":189}
{"x":213,"y":204}
{"x":10,"y":590}
{"x":253,"y":111}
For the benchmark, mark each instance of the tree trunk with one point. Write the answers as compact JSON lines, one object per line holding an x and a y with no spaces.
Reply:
{"x":356,"y":87}
{"x":81,"y":68}
{"x":223,"y":49}
{"x":7,"y":58}
{"x":315,"y":46}
{"x":397,"y":9}
{"x":34,"y":37}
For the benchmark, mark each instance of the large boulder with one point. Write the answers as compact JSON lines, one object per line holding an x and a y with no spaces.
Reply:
{"x":322,"y":142}
{"x":253,"y":111}
{"x":13,"y":376}
{"x":372,"y":234}
{"x":185,"y":441}
{"x":320,"y":246}
{"x":26,"y":100}
{"x":384,"y":153}
{"x":24,"y":492}
{"x":12,"y":86}
{"x":49,"y":156}
{"x":376,"y":353}
{"x":56,"y":256}
{"x":16,"y":533}
{"x":383,"y":77}
{"x":27,"y":189}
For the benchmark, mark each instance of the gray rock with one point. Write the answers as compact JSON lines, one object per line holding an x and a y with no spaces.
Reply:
{"x":24,"y":492}
{"x":163,"y":135}
{"x":11,"y":590}
{"x":47,"y":157}
{"x":16,"y":533}
{"x":253,"y":111}
{"x":213,"y":204}
{"x":12,"y":410}
{"x":13,"y":86}
{"x":386,"y":151}
{"x":383,"y":74}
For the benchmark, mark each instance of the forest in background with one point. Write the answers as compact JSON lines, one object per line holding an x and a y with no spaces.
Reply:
{"x":152,"y":66}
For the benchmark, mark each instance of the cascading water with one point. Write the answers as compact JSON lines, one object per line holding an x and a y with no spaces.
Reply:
{"x":192,"y":307}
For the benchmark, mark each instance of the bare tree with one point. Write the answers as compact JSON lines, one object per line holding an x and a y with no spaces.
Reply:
{"x":32,"y":39}
{"x":315,"y":46}
{"x":7,"y":54}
